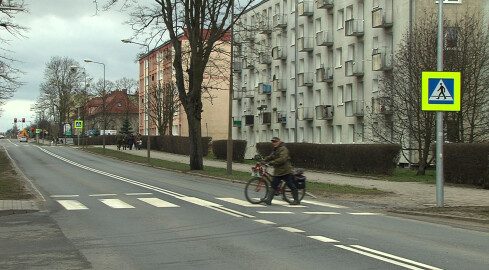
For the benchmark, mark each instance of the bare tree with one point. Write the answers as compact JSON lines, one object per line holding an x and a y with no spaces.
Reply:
{"x":204,"y":24}
{"x":163,"y":104}
{"x":131,"y":85}
{"x":408,"y":125}
{"x":467,"y":51}
{"x":58,"y":88}
{"x":9,"y":74}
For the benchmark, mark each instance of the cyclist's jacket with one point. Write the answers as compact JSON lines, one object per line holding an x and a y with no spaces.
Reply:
{"x":280,"y":160}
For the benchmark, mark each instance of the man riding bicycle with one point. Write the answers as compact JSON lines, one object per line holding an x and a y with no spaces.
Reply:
{"x":282,"y":170}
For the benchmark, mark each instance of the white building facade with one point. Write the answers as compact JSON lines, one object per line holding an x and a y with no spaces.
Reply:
{"x":309,"y":70}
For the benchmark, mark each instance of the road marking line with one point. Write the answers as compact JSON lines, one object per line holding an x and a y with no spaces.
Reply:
{"x":72,"y":205}
{"x":274,"y":212}
{"x":158,"y":202}
{"x":378,"y":257}
{"x":240,"y":202}
{"x":324,"y":204}
{"x":64,"y":196}
{"x":366,"y":214}
{"x":322,"y":239}
{"x":138,"y":194}
{"x":290,"y":229}
{"x":395,"y":257}
{"x":230,"y":211}
{"x":321,"y":213}
{"x":116,"y":203}
{"x":101,"y":195}
{"x":198,"y":201}
{"x":262,"y":221}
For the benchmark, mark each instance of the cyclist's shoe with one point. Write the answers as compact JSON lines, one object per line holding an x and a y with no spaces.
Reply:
{"x":295,"y":194}
{"x":269,"y":198}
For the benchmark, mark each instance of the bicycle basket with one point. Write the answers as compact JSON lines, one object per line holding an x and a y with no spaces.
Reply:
{"x":300,"y":181}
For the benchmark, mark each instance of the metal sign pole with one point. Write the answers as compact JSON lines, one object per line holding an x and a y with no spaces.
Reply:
{"x":439,"y":115}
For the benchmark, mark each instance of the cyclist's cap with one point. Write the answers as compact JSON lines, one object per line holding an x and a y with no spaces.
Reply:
{"x":275,"y":139}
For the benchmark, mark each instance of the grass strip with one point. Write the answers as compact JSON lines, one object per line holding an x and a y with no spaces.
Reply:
{"x":222,"y":173}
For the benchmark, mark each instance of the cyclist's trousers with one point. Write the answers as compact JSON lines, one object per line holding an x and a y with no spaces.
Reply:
{"x":288,"y":178}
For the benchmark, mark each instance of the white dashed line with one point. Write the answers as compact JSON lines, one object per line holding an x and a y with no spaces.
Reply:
{"x":323,"y":239}
{"x":290,"y":229}
{"x":262,"y":221}
{"x":158,"y":202}
{"x":116,"y":203}
{"x":72,"y":205}
{"x":321,"y":213}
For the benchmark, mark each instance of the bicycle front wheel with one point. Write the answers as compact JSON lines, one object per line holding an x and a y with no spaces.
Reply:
{"x":256,"y":190}
{"x":287,"y":194}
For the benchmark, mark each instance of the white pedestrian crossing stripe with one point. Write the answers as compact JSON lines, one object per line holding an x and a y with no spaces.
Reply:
{"x":116,"y":203}
{"x":72,"y":205}
{"x":158,"y":202}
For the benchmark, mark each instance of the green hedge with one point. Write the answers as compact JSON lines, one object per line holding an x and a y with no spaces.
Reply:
{"x":366,"y":158}
{"x":171,"y":144}
{"x":466,"y":163}
{"x":219,"y":148}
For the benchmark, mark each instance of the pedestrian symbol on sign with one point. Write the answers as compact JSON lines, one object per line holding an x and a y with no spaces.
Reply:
{"x":440,"y":91}
{"x":78,"y":124}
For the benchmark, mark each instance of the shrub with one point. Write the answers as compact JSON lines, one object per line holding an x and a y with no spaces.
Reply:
{"x":220,"y":149}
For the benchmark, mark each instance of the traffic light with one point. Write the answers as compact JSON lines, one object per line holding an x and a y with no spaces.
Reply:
{"x":15,"y":120}
{"x":23,"y":120}
{"x":32,"y":130}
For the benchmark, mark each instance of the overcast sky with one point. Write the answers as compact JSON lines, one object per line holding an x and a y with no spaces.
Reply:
{"x":67,"y":28}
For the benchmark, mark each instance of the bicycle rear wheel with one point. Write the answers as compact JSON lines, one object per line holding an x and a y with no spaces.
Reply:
{"x":287,"y":193}
{"x":256,"y":190}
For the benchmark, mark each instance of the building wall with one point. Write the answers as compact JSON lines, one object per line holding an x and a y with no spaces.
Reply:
{"x":342,"y":47}
{"x":215,"y":99}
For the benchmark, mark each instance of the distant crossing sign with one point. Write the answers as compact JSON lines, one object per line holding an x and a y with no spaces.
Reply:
{"x":440,"y":91}
{"x":78,"y":124}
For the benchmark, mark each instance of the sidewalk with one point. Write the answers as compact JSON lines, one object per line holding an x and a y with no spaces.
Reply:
{"x":405,"y":195}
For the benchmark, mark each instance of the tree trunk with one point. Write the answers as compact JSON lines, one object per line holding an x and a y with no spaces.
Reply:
{"x":195,"y":137}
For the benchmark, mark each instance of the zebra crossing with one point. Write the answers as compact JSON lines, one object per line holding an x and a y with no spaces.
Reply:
{"x":73,"y":202}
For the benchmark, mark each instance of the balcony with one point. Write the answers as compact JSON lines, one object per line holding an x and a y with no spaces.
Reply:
{"x":354,"y":108}
{"x":324,"y":74}
{"x":279,"y":85}
{"x":237,"y":66}
{"x":279,"y":53}
{"x":324,"y":38}
{"x":264,"y":89}
{"x":382,"y":105}
{"x":305,"y":44}
{"x":266,"y":118}
{"x":249,"y":92}
{"x":265,"y":58}
{"x":353,"y":68}
{"x":305,"y":7}
{"x":354,"y":27}
{"x":305,"y":78}
{"x":280,"y":20}
{"x":265,"y":27}
{"x":324,"y":112}
{"x":381,"y":60}
{"x":325,"y":4}
{"x":237,"y":123}
{"x":249,"y":35}
{"x":249,"y":119}
{"x":305,"y":113}
{"x":237,"y":94}
{"x":381,"y":18}
{"x":282,"y":117}
{"x":248,"y":63}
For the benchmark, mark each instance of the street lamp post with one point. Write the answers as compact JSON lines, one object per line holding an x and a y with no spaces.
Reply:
{"x":146,"y":93}
{"x":84,"y":101}
{"x":103,"y":102}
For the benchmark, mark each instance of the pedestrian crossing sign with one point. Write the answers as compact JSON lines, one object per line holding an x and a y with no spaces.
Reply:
{"x":78,"y":124}
{"x":440,"y":91}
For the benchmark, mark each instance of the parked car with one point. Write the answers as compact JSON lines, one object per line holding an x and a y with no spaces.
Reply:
{"x":23,"y":139}
{"x":2,"y":137}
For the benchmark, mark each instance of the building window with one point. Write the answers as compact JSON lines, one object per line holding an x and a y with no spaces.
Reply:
{"x":339,"y":58}
{"x":340,"y":20}
{"x":339,"y":95}
{"x":451,"y":38}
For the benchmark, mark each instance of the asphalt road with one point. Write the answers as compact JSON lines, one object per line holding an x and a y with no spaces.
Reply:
{"x":105,"y":214}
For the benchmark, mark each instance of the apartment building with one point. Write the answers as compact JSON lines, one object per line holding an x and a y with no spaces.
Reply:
{"x":156,"y":68}
{"x":309,"y":71}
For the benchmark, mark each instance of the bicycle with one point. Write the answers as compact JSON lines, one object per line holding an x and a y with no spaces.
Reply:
{"x":257,"y":187}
